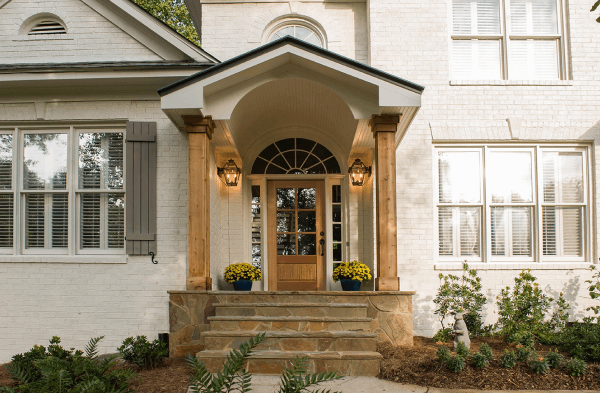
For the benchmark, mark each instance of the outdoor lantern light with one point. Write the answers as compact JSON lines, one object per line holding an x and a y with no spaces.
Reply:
{"x":359,"y":173}
{"x":230,"y":173}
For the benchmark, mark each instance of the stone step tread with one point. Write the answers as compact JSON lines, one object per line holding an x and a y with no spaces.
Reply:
{"x":329,"y":355}
{"x":293,"y":334}
{"x":331,"y":305}
{"x":289,"y":319}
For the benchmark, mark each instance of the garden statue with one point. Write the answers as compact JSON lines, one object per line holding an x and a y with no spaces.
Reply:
{"x":461,"y":333}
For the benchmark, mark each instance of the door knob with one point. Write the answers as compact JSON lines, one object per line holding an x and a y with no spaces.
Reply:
{"x":322,"y":243}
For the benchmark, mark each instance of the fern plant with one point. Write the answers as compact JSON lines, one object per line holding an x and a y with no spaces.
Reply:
{"x":234,"y":378}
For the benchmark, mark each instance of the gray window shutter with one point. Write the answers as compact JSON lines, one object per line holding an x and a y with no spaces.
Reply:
{"x":140,"y":190}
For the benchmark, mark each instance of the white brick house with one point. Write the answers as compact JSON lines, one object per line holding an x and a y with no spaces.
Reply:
{"x":492,"y":107}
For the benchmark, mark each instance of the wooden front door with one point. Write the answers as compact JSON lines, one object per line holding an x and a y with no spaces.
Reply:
{"x":296,"y":240}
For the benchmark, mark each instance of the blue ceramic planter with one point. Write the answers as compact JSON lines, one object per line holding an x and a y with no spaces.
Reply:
{"x":350,"y":285}
{"x":242,"y":285}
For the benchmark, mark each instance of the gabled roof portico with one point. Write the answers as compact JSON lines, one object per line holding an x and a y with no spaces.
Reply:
{"x":249,"y":100}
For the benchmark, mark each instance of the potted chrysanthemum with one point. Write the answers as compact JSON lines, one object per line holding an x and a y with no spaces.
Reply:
{"x":351,"y":275}
{"x":241,"y":275}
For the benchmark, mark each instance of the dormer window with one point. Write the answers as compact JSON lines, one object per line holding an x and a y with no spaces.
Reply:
{"x":46,"y":27}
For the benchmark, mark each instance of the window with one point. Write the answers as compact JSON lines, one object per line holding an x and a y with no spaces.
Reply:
{"x":301,"y":32}
{"x":302,"y":28}
{"x":256,"y":227}
{"x":511,"y":39}
{"x":512,"y":204}
{"x":64,"y":195}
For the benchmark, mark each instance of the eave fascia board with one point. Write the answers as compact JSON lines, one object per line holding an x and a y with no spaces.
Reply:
{"x":102,"y":75}
{"x":145,"y":28}
{"x":4,"y":2}
{"x":195,"y":9}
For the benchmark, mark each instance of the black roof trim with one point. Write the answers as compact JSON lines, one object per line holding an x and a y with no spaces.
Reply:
{"x":296,"y":42}
{"x":92,"y":66}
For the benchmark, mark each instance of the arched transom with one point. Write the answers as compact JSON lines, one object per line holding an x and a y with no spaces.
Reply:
{"x":295,"y":156}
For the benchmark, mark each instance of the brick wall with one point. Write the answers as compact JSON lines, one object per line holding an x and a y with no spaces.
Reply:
{"x":91,"y":37}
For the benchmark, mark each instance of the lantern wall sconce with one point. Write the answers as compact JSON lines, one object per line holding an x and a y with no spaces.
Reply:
{"x":359,"y":173}
{"x":229,"y":174}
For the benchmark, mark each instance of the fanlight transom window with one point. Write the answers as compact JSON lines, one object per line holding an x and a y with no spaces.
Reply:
{"x":295,"y":156}
{"x":300,"y":32}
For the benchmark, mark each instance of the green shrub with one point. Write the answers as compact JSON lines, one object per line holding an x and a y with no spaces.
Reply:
{"x":554,"y":359}
{"x":443,"y":335}
{"x":479,"y":360}
{"x":142,"y":353}
{"x":455,"y":363}
{"x":575,"y":367}
{"x":539,"y":365}
{"x":461,"y":294}
{"x":235,"y":378}
{"x":486,"y":351}
{"x":462,"y":350}
{"x":57,"y":370}
{"x":524,"y":353}
{"x":523,"y":309}
{"x":508,"y":359}
{"x":442,"y":353}
{"x":581,"y":340}
{"x":594,"y":290}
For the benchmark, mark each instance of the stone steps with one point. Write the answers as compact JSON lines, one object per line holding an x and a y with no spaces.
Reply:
{"x":294,"y":341}
{"x":346,"y":310}
{"x":364,"y":363}
{"x":292,"y":323}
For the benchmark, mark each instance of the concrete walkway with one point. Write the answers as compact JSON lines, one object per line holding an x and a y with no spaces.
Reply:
{"x":270,"y":384}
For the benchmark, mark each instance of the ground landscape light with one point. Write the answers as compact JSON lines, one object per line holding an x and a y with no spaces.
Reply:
{"x":229,"y":174}
{"x":359,"y":173}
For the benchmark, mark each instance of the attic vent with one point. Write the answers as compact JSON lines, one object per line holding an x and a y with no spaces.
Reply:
{"x":48,"y":27}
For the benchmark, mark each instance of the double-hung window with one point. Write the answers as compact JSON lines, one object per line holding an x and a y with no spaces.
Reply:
{"x":61,"y":191}
{"x":517,"y":204}
{"x":507,"y":39}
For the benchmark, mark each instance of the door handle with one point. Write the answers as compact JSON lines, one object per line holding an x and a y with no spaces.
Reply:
{"x":322,"y":243}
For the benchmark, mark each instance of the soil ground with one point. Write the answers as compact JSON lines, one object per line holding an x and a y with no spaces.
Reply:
{"x":419,"y":365}
{"x":416,"y":365}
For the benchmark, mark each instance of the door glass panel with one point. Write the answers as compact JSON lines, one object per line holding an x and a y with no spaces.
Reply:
{"x":307,"y":221}
{"x":286,"y":222}
{"x":286,"y":244}
{"x":307,"y":244}
{"x":337,"y":213}
{"x":286,"y":198}
{"x":337,"y":232}
{"x":337,"y":252}
{"x":307,"y":198}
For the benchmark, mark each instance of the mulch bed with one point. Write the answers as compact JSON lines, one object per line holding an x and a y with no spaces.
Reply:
{"x":419,"y":365}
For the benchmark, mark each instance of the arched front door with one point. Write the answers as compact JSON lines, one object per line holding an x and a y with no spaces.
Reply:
{"x":296,"y":244}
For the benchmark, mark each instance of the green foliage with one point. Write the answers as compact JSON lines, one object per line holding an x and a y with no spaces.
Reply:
{"x":594,"y":288}
{"x":142,"y":353}
{"x":455,"y":363}
{"x":554,"y":359}
{"x":462,"y":350}
{"x":539,"y":365}
{"x":235,"y":378}
{"x":524,"y":353}
{"x":57,"y":370}
{"x":575,"y":367}
{"x":582,"y":340}
{"x":486,"y":351}
{"x":522,"y":311}
{"x":174,"y":13}
{"x":508,"y":359}
{"x":443,"y":353}
{"x":462,"y":294}
{"x":443,"y":335}
{"x":594,"y":7}
{"x":479,"y":360}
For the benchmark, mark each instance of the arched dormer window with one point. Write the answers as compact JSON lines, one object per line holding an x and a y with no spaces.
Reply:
{"x":299,"y":28}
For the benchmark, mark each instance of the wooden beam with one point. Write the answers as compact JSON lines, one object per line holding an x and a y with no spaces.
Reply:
{"x":200,"y":130}
{"x":384,"y":131}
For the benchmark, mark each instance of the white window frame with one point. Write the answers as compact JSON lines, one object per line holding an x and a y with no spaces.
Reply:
{"x":505,"y":38}
{"x":71,"y":190}
{"x":537,"y":233}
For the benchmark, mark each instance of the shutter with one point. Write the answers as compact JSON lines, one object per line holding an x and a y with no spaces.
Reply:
{"x":6,"y":220}
{"x":521,"y":231}
{"x":140,"y":173}
{"x":469,"y":231}
{"x":498,"y":230}
{"x":445,"y":231}
{"x":529,"y":17}
{"x":90,"y":220}
{"x":34,"y":220}
{"x":475,"y":17}
{"x":60,"y":220}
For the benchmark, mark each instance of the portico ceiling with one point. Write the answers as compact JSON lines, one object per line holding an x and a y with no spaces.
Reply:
{"x":290,"y":84}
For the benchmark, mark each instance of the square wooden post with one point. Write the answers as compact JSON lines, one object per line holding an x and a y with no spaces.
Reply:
{"x":200,"y":130}
{"x":384,"y":131}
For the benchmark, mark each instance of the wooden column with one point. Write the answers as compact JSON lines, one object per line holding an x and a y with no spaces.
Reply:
{"x":200,"y":130}
{"x":384,"y":131}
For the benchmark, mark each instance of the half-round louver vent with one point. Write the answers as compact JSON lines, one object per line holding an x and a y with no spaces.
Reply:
{"x":48,"y":27}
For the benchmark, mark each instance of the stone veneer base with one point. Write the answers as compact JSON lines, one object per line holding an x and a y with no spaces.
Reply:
{"x":390,"y":311}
